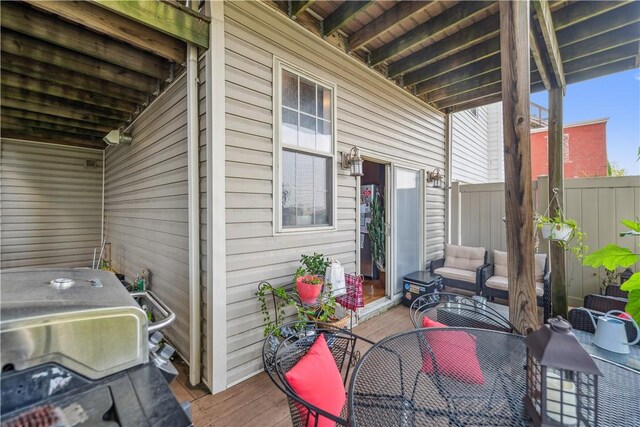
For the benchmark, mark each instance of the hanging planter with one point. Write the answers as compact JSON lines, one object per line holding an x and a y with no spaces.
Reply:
{"x":556,"y":232}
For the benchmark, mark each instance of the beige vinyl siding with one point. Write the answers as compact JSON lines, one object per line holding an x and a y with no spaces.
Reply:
{"x":495,"y":142}
{"x":380,"y":119}
{"x":146,"y":206}
{"x":51,"y":206}
{"x":469,"y":161}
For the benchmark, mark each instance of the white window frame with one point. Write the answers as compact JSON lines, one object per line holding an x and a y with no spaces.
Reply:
{"x":278,"y":66}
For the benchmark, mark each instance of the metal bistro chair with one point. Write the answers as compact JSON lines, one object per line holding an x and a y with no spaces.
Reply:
{"x":457,"y":310}
{"x":285,"y":346}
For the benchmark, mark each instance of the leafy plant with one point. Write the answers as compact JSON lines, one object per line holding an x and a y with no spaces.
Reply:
{"x":281,"y":301}
{"x":311,"y":280}
{"x":315,"y":264}
{"x":612,"y":257}
{"x":579,"y":249}
{"x":377,"y":231}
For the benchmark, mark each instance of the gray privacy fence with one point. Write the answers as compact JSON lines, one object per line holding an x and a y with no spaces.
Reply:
{"x":597,"y":204}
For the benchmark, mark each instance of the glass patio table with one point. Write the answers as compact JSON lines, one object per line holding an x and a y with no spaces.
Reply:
{"x":428,"y":377}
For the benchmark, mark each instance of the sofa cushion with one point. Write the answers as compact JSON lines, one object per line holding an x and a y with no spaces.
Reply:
{"x":463,"y":257}
{"x":502,"y":283}
{"x":456,"y":274}
{"x":500,"y":265}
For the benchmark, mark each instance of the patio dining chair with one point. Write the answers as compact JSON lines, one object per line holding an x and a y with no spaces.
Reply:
{"x":293,"y":359}
{"x":457,"y":310}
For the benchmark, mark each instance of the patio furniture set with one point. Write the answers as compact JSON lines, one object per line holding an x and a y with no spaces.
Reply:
{"x":463,"y":364}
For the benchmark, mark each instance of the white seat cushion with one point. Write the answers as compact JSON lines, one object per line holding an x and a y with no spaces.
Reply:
{"x":463,"y":257}
{"x":500,"y":265}
{"x":456,"y":274}
{"x":502,"y":283}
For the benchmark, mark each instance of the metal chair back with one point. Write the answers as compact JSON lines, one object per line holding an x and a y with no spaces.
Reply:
{"x":458,"y":310}
{"x":285,"y":346}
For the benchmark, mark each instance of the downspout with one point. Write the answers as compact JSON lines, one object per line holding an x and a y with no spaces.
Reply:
{"x":448,"y":128}
{"x":193,"y":182}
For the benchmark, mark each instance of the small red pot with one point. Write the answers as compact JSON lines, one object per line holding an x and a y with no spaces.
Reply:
{"x":308,"y":293}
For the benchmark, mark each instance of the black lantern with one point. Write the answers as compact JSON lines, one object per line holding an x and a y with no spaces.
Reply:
{"x":562,"y":379}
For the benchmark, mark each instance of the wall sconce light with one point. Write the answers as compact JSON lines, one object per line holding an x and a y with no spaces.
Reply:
{"x":435,"y":178}
{"x":117,"y":137}
{"x":353,"y":161}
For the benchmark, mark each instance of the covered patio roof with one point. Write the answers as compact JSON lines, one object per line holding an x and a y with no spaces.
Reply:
{"x":447,"y":53}
{"x":73,"y":71}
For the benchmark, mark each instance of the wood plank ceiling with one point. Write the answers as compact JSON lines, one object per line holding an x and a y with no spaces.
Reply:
{"x":73,"y":71}
{"x":447,"y":53}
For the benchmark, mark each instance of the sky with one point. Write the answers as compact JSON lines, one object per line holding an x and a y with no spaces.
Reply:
{"x":617,"y":97}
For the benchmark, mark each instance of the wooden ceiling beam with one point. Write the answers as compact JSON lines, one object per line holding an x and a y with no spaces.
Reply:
{"x":383,"y":23}
{"x":297,"y":7}
{"x":604,"y":23}
{"x":54,"y":120}
{"x":54,"y":89}
{"x":64,"y":112}
{"x":468,"y":56}
{"x":433,"y":27}
{"x":27,"y":20}
{"x":476,"y":82}
{"x":464,"y":73}
{"x":552,"y":50}
{"x":113,"y":25}
{"x":31,"y":48}
{"x":8,"y":122}
{"x":602,"y":70}
{"x":52,"y":137}
{"x":602,"y":58}
{"x":51,"y":73}
{"x":583,"y":10}
{"x":342,"y":15}
{"x":538,"y":54}
{"x":53,"y":101}
{"x":168,"y":17}
{"x":473,"y":34}
{"x":479,"y":102}
{"x":465,"y":97}
{"x":600,"y":43}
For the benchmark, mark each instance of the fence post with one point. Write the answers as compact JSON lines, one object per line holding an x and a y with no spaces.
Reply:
{"x":454,"y":217}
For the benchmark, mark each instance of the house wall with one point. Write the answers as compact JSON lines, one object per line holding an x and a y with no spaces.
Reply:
{"x":584,"y":150}
{"x":469,"y":134}
{"x":373,"y":114}
{"x":495,"y":142}
{"x":146,"y":216}
{"x":50,"y":215}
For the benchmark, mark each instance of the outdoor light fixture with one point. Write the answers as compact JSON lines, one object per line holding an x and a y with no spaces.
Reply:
{"x":562,"y":379}
{"x":353,"y":161}
{"x":435,"y":178}
{"x":117,"y":137}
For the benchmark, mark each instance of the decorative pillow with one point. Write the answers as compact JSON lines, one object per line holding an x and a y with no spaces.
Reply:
{"x":454,"y":353}
{"x":625,"y":316}
{"x":317,"y":380}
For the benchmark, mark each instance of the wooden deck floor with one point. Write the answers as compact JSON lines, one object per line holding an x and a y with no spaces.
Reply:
{"x":257,"y":401}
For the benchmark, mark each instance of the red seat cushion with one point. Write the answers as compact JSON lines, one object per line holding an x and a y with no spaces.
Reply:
{"x":317,"y":380}
{"x":454,"y":352}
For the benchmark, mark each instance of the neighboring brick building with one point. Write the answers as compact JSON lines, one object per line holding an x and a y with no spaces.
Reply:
{"x":584,"y":149}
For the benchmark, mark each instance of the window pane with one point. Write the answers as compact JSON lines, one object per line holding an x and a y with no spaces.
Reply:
{"x":289,"y":127}
{"x":289,"y":89}
{"x":323,"y":139}
{"x":307,"y":97}
{"x":306,"y":190}
{"x":324,"y":103}
{"x":307,"y":138}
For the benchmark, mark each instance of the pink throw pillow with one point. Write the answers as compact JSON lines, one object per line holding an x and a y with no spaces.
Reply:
{"x":454,"y":352}
{"x":317,"y":380}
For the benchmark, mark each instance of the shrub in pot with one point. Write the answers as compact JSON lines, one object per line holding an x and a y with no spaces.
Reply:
{"x":309,"y":288}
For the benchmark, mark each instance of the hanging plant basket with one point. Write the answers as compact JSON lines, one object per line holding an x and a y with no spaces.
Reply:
{"x":556,"y":232}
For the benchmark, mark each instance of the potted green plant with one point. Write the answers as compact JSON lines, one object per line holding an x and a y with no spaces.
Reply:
{"x":562,"y":231}
{"x":377,"y":232}
{"x":309,"y":287}
{"x":613,"y":257}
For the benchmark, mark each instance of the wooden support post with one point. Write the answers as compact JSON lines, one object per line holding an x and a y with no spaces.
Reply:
{"x":556,"y":180}
{"x":514,"y":51}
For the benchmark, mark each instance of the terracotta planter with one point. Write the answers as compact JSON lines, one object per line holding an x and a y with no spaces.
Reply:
{"x":308,"y":292}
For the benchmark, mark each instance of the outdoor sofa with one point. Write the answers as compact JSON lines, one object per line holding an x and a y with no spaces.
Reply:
{"x":461,"y":267}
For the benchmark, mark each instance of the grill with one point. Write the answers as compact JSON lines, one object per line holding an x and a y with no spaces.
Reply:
{"x":74,"y":348}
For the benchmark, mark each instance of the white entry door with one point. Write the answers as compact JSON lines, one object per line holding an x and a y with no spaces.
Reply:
{"x":406,"y":224}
